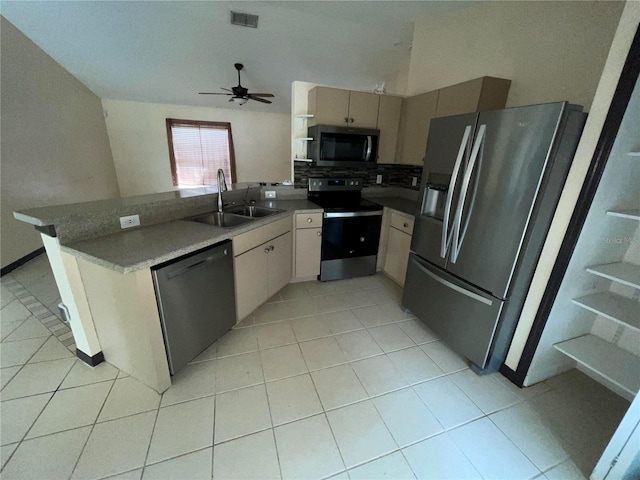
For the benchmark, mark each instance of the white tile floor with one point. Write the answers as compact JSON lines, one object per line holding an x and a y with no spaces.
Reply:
{"x":326,"y":380}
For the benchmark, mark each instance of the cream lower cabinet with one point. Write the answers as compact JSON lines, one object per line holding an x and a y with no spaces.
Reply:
{"x":262,"y":265}
{"x":308,"y":245}
{"x":398,"y":244}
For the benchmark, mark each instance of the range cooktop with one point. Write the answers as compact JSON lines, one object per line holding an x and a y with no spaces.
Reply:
{"x":336,"y":194}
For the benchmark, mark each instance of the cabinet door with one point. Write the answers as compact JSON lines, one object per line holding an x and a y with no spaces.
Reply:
{"x":279,"y":262}
{"x":458,"y":99}
{"x":478,"y":95}
{"x":308,"y":245}
{"x":329,"y":106}
{"x":395,"y":263}
{"x":251,"y":280}
{"x":363,"y":109}
{"x":415,"y":118}
{"x":388,"y":123}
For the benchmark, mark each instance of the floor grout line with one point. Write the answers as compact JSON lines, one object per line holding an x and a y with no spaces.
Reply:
{"x":26,"y":294}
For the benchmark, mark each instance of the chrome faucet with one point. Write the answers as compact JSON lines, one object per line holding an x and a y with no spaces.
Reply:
{"x":222,"y":187}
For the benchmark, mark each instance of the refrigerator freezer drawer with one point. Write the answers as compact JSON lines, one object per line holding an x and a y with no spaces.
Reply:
{"x":464,"y":316}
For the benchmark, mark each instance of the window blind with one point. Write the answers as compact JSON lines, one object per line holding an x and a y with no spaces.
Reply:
{"x":198,"y":150}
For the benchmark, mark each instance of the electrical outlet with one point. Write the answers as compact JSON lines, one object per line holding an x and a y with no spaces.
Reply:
{"x":270,"y":194}
{"x":379,"y":179}
{"x":129,"y":221}
{"x":414,"y":181}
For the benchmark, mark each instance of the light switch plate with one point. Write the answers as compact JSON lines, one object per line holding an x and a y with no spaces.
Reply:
{"x":129,"y":221}
{"x":270,"y":194}
{"x":414,"y":181}
{"x":379,"y":179}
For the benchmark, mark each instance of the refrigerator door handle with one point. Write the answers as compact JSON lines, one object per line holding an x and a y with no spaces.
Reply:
{"x":446,"y":235}
{"x":458,"y":231}
{"x":453,"y":286}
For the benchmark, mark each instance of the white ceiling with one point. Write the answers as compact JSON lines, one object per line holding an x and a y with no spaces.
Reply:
{"x":166,"y":52}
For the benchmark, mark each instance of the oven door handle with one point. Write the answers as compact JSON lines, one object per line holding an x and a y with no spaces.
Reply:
{"x":352,"y":214}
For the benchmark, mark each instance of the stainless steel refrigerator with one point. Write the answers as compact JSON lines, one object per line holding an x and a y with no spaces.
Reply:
{"x":490,"y":185}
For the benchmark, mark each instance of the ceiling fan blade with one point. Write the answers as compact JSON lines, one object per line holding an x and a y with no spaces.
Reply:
{"x":227,"y":89}
{"x":231,"y":99}
{"x":210,"y":93}
{"x":258,"y":99}
{"x":261,"y":94}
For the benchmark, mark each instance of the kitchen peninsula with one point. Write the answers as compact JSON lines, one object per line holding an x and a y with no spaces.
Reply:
{"x":104,"y":274}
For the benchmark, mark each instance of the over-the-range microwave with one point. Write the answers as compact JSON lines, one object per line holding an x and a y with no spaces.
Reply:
{"x":343,"y":146}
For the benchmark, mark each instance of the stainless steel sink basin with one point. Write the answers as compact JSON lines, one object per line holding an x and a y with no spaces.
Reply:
{"x":221,"y":219}
{"x":254,"y":211}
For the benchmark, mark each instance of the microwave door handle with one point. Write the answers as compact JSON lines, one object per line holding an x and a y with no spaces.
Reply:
{"x":367,"y":156}
{"x":446,"y":235}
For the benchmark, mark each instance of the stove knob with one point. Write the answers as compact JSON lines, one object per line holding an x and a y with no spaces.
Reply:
{"x":352,"y":251}
{"x":361,"y":239}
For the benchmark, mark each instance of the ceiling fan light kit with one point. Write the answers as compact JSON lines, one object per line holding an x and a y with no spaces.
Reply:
{"x":239,"y":94}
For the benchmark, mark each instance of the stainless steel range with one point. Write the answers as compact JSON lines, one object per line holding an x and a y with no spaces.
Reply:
{"x":350,"y":228}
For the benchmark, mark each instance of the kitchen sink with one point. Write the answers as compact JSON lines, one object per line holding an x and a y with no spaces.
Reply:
{"x":254,"y":211}
{"x":221,"y":219}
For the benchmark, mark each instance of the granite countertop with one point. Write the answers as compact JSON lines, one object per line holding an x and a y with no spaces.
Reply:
{"x":131,"y":250}
{"x":403,"y":205}
{"x":91,"y":230}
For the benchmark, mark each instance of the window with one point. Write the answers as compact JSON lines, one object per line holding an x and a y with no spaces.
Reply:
{"x":198,"y":149}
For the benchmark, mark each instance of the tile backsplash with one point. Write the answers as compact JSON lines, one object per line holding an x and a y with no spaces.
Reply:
{"x":392,"y":175}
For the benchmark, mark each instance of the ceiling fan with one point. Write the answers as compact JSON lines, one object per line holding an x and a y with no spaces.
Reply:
{"x":239,"y":94}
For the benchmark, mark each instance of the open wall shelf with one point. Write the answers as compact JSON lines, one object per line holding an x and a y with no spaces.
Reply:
{"x":616,"y":365}
{"x":622,"y":272}
{"x":615,"y":307}
{"x":630,"y":214}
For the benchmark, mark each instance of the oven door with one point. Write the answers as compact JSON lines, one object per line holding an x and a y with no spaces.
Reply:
{"x":349,"y":244}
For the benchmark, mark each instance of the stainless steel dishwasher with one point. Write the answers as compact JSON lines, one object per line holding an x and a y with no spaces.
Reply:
{"x":196,"y":301}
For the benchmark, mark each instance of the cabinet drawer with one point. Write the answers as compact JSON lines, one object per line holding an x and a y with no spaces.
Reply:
{"x":402,"y":223}
{"x":308,"y":220}
{"x":253,"y":238}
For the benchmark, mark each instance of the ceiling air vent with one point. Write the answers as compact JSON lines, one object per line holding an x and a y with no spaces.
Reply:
{"x":244,"y":19}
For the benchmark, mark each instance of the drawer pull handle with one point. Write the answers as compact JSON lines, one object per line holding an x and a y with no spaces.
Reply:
{"x":319,"y":234}
{"x":406,"y":225}
{"x":309,"y":220}
{"x":272,"y":248}
{"x":266,"y":250}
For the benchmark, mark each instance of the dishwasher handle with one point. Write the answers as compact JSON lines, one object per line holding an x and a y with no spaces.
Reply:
{"x":211,"y":258}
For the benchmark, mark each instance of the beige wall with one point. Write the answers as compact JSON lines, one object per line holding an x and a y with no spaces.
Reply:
{"x":54,"y":142}
{"x":138,"y":137}
{"x":550,"y":50}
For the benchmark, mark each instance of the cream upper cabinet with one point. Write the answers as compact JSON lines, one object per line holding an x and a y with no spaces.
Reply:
{"x":329,"y":106}
{"x":334,"y":106}
{"x":363,"y":109}
{"x":388,"y":124}
{"x":416,"y":115}
{"x":479,"y":95}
